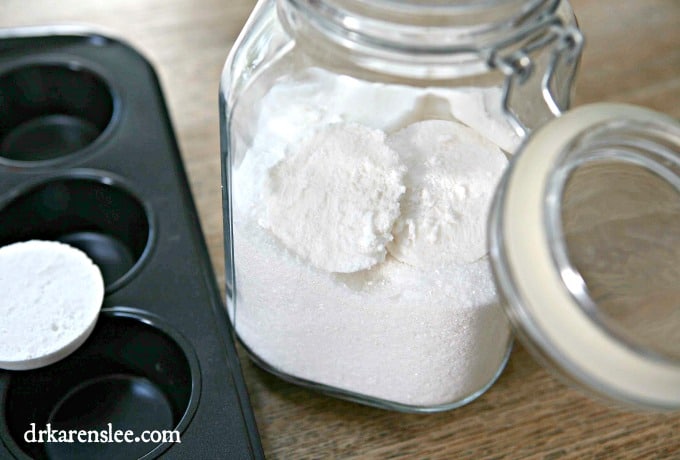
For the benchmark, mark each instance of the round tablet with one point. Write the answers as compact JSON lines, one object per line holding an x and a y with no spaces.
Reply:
{"x":452,"y":173}
{"x":334,"y":197}
{"x":51,"y":297}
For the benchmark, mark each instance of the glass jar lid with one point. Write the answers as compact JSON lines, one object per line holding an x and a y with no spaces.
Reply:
{"x":584,"y":238}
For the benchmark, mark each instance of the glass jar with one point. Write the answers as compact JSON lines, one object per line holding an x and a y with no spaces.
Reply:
{"x":361,"y":145}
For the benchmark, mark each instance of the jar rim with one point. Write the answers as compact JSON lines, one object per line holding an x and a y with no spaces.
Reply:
{"x":434,"y":26}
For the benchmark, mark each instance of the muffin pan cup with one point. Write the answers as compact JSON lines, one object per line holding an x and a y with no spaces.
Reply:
{"x":88,"y":157}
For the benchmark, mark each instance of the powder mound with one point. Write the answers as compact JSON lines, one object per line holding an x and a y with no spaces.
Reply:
{"x":452,"y":175}
{"x":51,"y":296}
{"x":334,"y":197}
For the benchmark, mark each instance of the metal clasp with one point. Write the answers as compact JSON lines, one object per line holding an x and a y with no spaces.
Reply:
{"x":518,"y":59}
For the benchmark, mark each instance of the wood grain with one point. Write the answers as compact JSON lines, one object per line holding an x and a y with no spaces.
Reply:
{"x":632,"y":55}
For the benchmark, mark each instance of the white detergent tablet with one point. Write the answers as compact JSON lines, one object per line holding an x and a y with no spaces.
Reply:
{"x":51,"y":294}
{"x":452,"y":173}
{"x":334,"y":197}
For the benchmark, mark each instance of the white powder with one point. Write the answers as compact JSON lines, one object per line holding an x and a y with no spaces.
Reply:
{"x":397,"y":331}
{"x":334,"y":198}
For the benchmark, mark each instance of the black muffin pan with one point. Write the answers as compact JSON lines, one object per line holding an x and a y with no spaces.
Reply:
{"x":88,"y":157}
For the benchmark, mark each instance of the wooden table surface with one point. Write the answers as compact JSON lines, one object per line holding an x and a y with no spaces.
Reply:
{"x":632,"y":55}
